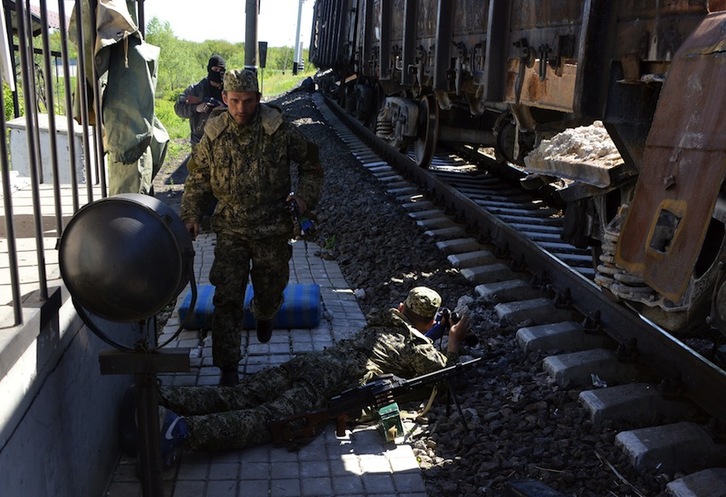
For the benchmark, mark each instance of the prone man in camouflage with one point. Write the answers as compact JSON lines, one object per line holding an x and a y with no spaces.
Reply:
{"x":244,"y":161}
{"x":392,"y":342}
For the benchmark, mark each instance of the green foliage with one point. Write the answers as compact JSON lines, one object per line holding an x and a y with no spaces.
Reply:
{"x":8,"y":102}
{"x":183,"y":62}
{"x":175,"y":125}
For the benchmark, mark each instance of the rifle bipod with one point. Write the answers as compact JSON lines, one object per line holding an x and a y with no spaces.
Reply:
{"x":450,"y":394}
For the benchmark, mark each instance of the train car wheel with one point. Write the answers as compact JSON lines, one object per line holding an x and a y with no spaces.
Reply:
{"x":428,"y":131}
{"x":506,"y":136}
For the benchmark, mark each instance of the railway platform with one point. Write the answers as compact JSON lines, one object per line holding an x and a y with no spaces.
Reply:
{"x":359,"y":464}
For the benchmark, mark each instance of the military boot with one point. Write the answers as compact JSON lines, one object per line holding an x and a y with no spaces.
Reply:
{"x":264,"y":330}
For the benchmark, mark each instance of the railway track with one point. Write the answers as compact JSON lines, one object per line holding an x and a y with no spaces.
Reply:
{"x":536,"y":279}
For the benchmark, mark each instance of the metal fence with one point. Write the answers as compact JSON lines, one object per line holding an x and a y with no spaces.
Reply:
{"x":50,"y":158}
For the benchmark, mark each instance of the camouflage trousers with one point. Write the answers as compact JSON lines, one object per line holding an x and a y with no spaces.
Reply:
{"x":236,"y":260}
{"x":237,"y":417}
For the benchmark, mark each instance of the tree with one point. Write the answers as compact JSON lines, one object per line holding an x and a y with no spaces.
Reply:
{"x":176,"y":67}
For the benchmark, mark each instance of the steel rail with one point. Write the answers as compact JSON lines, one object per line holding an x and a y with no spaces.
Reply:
{"x":664,"y":353}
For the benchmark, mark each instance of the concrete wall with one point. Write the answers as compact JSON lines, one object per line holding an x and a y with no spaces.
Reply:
{"x":58,"y":414}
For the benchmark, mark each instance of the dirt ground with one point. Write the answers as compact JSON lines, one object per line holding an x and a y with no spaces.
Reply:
{"x":168,"y":188}
{"x":169,"y":181}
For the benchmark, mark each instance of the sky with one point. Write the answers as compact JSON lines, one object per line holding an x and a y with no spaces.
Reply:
{"x":225,"y":20}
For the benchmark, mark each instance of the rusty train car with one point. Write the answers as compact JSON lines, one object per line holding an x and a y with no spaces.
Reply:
{"x":511,"y":74}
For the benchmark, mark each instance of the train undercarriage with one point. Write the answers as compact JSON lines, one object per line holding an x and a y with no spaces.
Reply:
{"x":655,"y":218}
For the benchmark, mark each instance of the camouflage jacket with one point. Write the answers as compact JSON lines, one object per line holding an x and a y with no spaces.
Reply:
{"x":248,"y":170}
{"x":392,"y":345}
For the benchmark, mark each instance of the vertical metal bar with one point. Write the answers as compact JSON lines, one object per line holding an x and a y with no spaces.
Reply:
{"x":50,"y":104}
{"x":313,"y":39}
{"x":357,"y":32}
{"x":409,"y":41}
{"x":142,"y":18}
{"x":147,"y":401}
{"x":386,"y":24}
{"x":32,"y":92}
{"x":83,"y":99}
{"x":251,"y":9}
{"x":334,"y":31}
{"x":9,"y":33}
{"x":298,"y":47}
{"x":367,"y":53}
{"x":9,"y":224}
{"x":384,"y":51}
{"x":98,"y":110}
{"x":69,"y":103}
{"x":597,"y":37}
{"x":23,"y":43}
{"x":496,"y":50}
{"x":444,"y":31}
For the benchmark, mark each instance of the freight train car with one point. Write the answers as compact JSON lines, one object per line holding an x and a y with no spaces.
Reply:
{"x":512,"y":74}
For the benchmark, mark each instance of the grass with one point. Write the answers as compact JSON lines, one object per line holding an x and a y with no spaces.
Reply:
{"x":275,"y":83}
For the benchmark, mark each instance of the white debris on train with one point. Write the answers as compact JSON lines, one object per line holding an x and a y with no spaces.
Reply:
{"x":585,"y":154}
{"x":584,"y":144}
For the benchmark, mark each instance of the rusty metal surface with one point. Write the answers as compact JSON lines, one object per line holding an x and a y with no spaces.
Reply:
{"x":642,"y":30}
{"x":655,"y":38}
{"x":471,"y":17}
{"x":534,"y":75}
{"x":537,"y":14}
{"x":683,"y":167}
{"x":426,"y":18}
{"x":649,"y":9}
{"x":398,"y":7}
{"x":556,"y":92}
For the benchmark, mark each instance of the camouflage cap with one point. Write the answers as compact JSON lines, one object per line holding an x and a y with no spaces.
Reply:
{"x":241,"y":80}
{"x":423,"y":301}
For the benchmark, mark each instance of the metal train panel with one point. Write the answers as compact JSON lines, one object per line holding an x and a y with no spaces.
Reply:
{"x":683,"y":167}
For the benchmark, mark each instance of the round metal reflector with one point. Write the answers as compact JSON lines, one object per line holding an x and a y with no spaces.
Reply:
{"x":125,"y":257}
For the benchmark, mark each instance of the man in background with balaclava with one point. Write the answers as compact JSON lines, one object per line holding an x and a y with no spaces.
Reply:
{"x":196,"y":104}
{"x":200,"y":99}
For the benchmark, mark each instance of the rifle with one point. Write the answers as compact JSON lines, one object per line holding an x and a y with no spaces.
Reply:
{"x":297,"y":430}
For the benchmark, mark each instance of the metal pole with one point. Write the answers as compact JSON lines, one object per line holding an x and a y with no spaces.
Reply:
{"x":251,"y":12}
{"x":298,"y":48}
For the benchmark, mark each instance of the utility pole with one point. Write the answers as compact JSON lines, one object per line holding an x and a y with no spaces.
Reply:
{"x":298,"y":46}
{"x":251,"y":11}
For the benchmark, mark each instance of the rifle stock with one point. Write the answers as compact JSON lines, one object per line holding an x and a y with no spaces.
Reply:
{"x":303,"y":428}
{"x":299,"y":429}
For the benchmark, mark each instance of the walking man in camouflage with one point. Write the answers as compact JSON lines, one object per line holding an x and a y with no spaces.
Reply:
{"x":243,"y":160}
{"x":238,"y":417}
